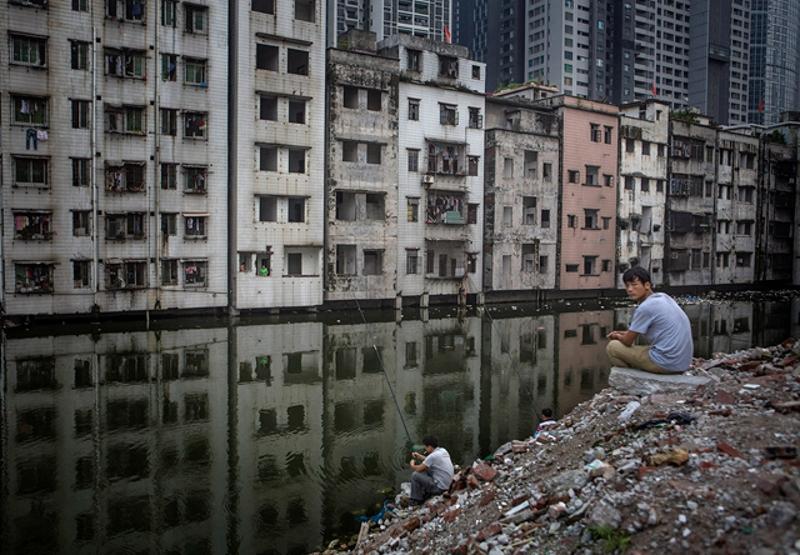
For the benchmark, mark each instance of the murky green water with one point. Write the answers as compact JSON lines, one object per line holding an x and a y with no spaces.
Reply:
{"x":269,"y":438}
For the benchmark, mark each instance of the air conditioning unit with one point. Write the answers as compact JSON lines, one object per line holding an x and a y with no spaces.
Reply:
{"x":427,"y":180}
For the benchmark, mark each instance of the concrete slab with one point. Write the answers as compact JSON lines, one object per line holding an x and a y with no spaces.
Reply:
{"x":637,"y":382}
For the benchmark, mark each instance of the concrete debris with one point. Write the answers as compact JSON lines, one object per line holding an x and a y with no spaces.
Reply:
{"x":636,"y":382}
{"x":709,"y":466}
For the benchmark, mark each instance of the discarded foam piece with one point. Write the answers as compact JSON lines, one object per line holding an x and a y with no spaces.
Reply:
{"x":638,"y":382}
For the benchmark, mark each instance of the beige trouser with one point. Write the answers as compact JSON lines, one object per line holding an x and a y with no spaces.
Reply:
{"x":635,"y":356}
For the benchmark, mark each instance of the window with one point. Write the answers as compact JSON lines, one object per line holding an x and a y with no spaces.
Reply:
{"x":373,"y":262}
{"x":475,"y":118}
{"x":745,"y":194}
{"x":606,"y":222}
{"x":528,"y":257}
{"x":127,"y":177}
{"x":169,"y":175}
{"x":268,"y":108}
{"x":304,"y":10}
{"x":574,"y":176}
{"x":448,"y":114}
{"x":473,"y":163}
{"x":590,"y":218}
{"x":297,"y":111}
{"x":268,"y":159}
{"x":572,"y":267}
{"x":80,"y":5}
{"x":79,"y":54}
{"x":547,"y":171}
{"x":296,"y":61}
{"x":414,"y":60}
{"x":267,"y":209}
{"x":263,"y":6}
{"x":33,"y":225}
{"x":744,"y":228}
{"x":169,"y":121}
{"x":374,"y":153}
{"x":194,"y":125}
{"x":476,"y":72}
{"x":374,"y":100}
{"x":297,"y":160}
{"x":33,"y":278}
{"x":294,"y":264}
{"x":81,"y":226}
{"x":267,"y":57}
{"x":413,"y":159}
{"x":645,"y":148}
{"x":543,"y":263}
{"x":630,"y":145}
{"x":508,"y":216}
{"x":125,"y":226}
{"x":508,"y":168}
{"x":346,"y":260}
{"x":529,"y":210}
{"x":30,"y":111}
{"x":412,"y":209}
{"x":195,"y":273}
{"x":743,"y":259}
{"x":448,"y":67}
{"x":125,"y":64}
{"x":31,"y":172}
{"x":169,"y":13}
{"x":606,"y":265}
{"x":297,"y":210}
{"x":594,"y":134}
{"x":196,"y":177}
{"x":125,"y":119}
{"x":194,"y":71}
{"x":589,"y":265}
{"x":645,"y":185}
{"x":545,"y":218}
{"x":28,"y":50}
{"x":169,"y":226}
{"x":593,"y":176}
{"x":196,"y":19}
{"x":169,"y":67}
{"x":169,"y":272}
{"x":629,"y":183}
{"x":608,"y":133}
{"x":413,"y":109}
{"x":194,"y":227}
{"x":80,"y":172}
{"x":660,"y":185}
{"x":375,"y":205}
{"x":472,"y":213}
{"x":80,"y":114}
{"x":412,"y":261}
{"x":80,"y":274}
{"x":126,"y":10}
{"x":572,"y":221}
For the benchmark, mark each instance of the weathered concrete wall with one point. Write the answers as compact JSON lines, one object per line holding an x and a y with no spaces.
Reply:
{"x":363,"y":125}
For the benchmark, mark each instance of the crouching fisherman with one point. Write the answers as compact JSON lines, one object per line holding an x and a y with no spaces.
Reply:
{"x":433,"y":472}
{"x":661,"y":321}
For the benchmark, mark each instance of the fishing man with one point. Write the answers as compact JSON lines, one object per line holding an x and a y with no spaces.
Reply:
{"x":433,"y":472}
{"x":662,"y":322}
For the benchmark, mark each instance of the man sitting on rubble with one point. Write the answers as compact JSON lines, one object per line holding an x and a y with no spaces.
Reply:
{"x":433,"y":472}
{"x":662,"y":322}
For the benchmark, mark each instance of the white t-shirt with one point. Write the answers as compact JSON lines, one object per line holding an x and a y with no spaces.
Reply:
{"x":440,"y":467}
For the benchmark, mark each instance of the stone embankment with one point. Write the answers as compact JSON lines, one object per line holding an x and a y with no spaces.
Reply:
{"x":708,"y":468}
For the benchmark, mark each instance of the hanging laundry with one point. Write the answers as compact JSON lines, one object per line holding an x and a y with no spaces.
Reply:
{"x":41,"y":135}
{"x":24,"y":107}
{"x":31,"y":139}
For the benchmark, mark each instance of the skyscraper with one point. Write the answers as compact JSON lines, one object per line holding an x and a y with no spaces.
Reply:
{"x":422,"y":18}
{"x":499,"y":38}
{"x":719,"y":40}
{"x":774,"y":60}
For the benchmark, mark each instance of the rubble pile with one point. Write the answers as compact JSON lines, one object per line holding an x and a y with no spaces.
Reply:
{"x":710,"y":468}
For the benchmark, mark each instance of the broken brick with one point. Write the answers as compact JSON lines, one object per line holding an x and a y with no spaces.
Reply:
{"x":487,"y":498}
{"x":725,"y":398}
{"x":749,"y":366}
{"x":412,"y":524}
{"x":729,"y":450}
{"x":705,"y":465}
{"x":451,"y":515}
{"x":644,"y":470}
{"x":484,"y":471}
{"x":461,"y":549}
{"x":489,"y":531}
{"x":472,"y":481}
{"x":785,"y":407}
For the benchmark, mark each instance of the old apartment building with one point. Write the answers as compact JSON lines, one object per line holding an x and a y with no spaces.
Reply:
{"x":522,"y":196}
{"x":440,"y":167}
{"x":113,"y":156}
{"x":735,"y":207}
{"x":281,"y":141}
{"x":643,"y":160}
{"x":689,"y":243}
{"x":361,"y":197}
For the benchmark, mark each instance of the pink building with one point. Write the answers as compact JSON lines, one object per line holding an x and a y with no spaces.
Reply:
{"x":588,"y":192}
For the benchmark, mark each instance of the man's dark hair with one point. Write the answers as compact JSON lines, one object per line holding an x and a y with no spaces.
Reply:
{"x":637,"y":272}
{"x":430,"y":440}
{"x":547,"y":413}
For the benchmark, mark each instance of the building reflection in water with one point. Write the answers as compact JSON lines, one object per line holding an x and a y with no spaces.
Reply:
{"x":270,"y":438}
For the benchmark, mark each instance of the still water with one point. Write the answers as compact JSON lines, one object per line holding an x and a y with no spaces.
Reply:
{"x":272,"y":437}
